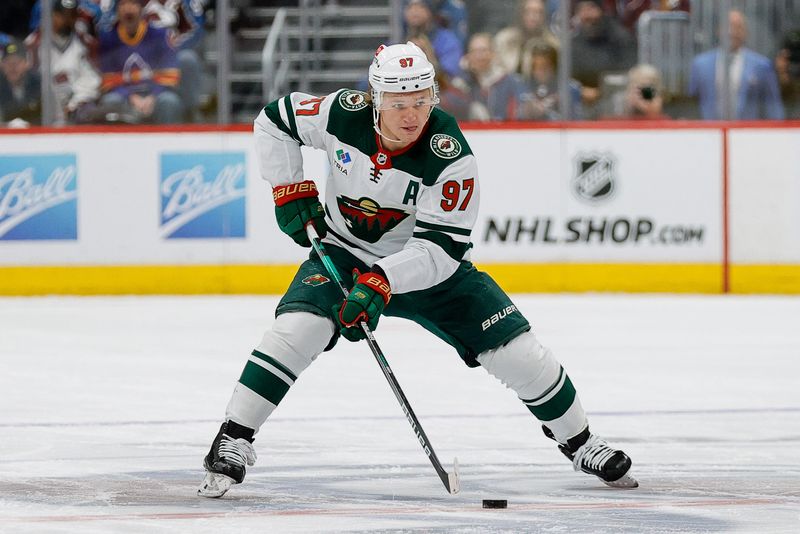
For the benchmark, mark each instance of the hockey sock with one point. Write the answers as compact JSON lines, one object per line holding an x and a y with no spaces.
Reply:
{"x":286,"y":350}
{"x":541,"y":383}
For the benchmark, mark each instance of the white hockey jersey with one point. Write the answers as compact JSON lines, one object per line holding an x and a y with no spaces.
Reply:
{"x":410,"y":211}
{"x":75,"y":80}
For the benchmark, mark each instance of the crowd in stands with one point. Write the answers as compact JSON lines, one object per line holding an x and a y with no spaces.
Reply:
{"x":130,"y":61}
{"x":510,"y":71}
{"x":139,"y":61}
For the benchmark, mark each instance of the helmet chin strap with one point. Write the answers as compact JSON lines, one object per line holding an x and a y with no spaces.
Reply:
{"x":378,"y":130}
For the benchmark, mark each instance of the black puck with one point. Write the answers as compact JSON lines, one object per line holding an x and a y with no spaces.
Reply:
{"x":495,"y":503}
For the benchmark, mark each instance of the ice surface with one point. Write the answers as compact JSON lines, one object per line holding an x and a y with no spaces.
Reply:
{"x":108,"y":405}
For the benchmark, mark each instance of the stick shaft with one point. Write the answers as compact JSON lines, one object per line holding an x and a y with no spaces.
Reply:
{"x":450,"y":481}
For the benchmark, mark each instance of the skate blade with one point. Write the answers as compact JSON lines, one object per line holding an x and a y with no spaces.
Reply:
{"x":626,"y":481}
{"x":215,"y":485}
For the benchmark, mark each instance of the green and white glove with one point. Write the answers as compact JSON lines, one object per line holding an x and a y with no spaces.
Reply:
{"x":366,"y":301}
{"x":295,"y":206}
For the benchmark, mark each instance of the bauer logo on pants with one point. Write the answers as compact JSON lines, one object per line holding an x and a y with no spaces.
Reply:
{"x":38,"y":197}
{"x":202,"y":195}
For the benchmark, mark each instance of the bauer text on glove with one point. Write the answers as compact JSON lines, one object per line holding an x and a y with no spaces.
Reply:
{"x":295,"y":206}
{"x":366,"y":301}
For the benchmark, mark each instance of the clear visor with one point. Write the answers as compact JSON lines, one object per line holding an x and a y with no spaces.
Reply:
{"x":402,"y":103}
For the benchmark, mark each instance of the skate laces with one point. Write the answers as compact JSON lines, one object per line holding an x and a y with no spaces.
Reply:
{"x":237,"y":451}
{"x":592,"y":454}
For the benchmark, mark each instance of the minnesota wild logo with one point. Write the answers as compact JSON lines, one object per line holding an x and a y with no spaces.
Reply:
{"x":316,"y":280}
{"x":352,"y":100}
{"x":445,"y":146}
{"x":366,"y":219}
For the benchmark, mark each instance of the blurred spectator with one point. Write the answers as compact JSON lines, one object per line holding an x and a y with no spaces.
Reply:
{"x":787,"y":65}
{"x":644,"y":96}
{"x":20,"y":86}
{"x":601,"y":45}
{"x":139,"y":67}
{"x":4,"y":39}
{"x":451,"y":99}
{"x":493,"y":93}
{"x":753,"y":83}
{"x":185,"y":19}
{"x":14,"y":17}
{"x":418,"y":16}
{"x":452,"y":14}
{"x":514,"y":43}
{"x":75,"y":82}
{"x":540,"y":100}
{"x":629,"y":11}
{"x":89,"y":14}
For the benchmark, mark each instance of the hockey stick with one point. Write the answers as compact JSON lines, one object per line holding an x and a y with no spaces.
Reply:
{"x":450,"y":480}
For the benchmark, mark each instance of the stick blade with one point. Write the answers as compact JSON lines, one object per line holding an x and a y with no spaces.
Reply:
{"x":454,"y":479}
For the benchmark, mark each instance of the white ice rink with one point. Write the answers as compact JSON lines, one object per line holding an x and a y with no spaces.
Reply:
{"x":108,"y":405}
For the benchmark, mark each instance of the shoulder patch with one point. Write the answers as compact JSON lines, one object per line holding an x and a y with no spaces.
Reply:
{"x":352,"y":100}
{"x":445,"y":146}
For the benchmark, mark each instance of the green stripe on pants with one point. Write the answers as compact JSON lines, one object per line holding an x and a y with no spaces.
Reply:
{"x":266,"y":384}
{"x":558,"y":405}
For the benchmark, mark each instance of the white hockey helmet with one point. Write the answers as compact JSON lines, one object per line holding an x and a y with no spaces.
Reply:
{"x":400,"y":68}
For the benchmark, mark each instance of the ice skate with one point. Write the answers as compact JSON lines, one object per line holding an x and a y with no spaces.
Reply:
{"x":592,"y":455}
{"x":225,"y":462}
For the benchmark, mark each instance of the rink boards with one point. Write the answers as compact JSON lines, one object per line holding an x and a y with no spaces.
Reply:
{"x":703,"y":208}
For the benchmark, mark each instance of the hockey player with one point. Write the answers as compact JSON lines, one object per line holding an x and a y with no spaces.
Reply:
{"x":400,"y":203}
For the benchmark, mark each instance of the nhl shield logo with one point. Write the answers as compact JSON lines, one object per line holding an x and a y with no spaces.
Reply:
{"x":316,"y":280}
{"x":445,"y":146}
{"x":594,"y":180}
{"x":352,"y":100}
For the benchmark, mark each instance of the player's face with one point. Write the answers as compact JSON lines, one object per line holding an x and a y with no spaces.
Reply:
{"x":403,"y":116}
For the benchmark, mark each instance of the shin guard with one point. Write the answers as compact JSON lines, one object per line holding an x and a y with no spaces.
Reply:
{"x":540,"y":382}
{"x":294,"y":341}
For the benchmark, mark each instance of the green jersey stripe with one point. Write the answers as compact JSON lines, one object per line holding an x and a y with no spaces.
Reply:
{"x":558,"y":405}
{"x":266,"y":384}
{"x":287,"y":106}
{"x":443,"y":228}
{"x":453,"y":248}
{"x":273,"y":114}
{"x":275,"y":363}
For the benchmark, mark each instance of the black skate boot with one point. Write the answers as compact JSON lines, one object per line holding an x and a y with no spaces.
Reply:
{"x":592,"y":455}
{"x":224,"y":463}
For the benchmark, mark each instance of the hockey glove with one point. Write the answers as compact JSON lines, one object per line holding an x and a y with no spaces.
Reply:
{"x":370,"y":294}
{"x":296,"y":205}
